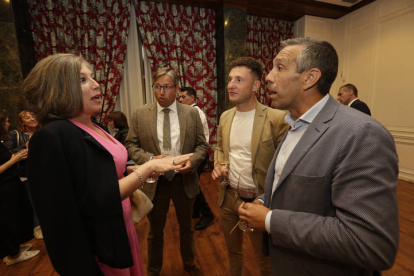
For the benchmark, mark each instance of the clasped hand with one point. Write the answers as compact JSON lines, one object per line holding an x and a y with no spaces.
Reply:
{"x":19,"y":156}
{"x":160,"y":165}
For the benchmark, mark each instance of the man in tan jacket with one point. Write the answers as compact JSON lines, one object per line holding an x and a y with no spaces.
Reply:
{"x":248,"y":136}
{"x":154,"y":128}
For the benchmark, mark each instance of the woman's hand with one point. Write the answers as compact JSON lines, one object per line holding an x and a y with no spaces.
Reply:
{"x":170,"y":163}
{"x":163,"y":164}
{"x":21,"y":155}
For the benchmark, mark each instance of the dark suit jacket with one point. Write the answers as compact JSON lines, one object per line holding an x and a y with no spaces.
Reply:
{"x":75,"y":191}
{"x":142,"y":142}
{"x":335,"y":207}
{"x":361,"y":106}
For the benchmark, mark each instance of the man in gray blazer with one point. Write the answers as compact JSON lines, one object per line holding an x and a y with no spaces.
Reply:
{"x":161,"y":125}
{"x":330,"y":205}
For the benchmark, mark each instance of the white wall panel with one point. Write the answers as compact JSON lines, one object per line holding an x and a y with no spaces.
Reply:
{"x":359,"y":61}
{"x":389,"y":7}
{"x":363,"y":16}
{"x":394,"y":72}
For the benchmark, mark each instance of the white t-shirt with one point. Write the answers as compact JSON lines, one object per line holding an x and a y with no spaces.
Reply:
{"x":241,"y":149}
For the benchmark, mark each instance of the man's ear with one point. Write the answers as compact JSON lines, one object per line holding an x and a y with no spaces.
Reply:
{"x":312,"y":77}
{"x":256,"y":85}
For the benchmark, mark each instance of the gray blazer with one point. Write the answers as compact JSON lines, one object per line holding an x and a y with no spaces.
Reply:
{"x":335,"y":208}
{"x":142,"y":142}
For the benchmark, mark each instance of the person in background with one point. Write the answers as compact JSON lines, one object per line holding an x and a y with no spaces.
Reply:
{"x":188,"y":96}
{"x":76,"y":173}
{"x":18,"y":140}
{"x":348,"y":95}
{"x":11,"y":203}
{"x":330,"y":204}
{"x":119,"y":123}
{"x":167,"y":124}
{"x":247,"y":136}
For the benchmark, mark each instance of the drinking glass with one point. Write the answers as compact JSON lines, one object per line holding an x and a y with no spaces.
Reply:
{"x":247,"y":194}
{"x":225,"y":165}
{"x":152,"y":178}
{"x":168,"y":152}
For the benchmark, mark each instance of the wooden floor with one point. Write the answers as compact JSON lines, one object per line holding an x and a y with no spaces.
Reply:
{"x":210,"y":249}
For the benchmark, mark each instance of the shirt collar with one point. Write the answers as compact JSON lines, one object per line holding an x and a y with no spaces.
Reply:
{"x":173,"y":107}
{"x":308,"y":116}
{"x":352,"y":101}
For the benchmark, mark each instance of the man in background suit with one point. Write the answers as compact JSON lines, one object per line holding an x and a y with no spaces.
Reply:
{"x":348,"y":95}
{"x":330,"y":204}
{"x":188,"y":96}
{"x":247,"y":136}
{"x":149,"y":133}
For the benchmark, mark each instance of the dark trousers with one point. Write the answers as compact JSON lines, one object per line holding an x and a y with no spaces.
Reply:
{"x":16,"y":217}
{"x":35,"y":218}
{"x":167,"y":191}
{"x":200,"y":204}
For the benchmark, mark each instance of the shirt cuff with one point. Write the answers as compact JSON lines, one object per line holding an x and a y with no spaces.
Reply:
{"x":267,"y":221}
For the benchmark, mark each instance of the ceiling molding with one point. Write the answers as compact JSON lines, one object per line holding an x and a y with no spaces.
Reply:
{"x":291,"y":10}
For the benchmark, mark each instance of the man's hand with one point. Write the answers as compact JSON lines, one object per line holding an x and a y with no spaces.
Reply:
{"x":219,"y":173}
{"x":186,"y":168}
{"x":254,"y":214}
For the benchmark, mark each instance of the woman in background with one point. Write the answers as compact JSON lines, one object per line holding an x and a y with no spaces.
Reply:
{"x":17,"y":141}
{"x":119,"y":122}
{"x":11,"y":199}
{"x":76,"y":173}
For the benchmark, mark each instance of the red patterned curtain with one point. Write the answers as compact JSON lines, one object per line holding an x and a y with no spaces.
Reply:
{"x":183,"y":38}
{"x":96,"y":29}
{"x":263,"y":42}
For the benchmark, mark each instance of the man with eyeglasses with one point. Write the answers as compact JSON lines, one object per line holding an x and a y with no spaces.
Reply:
{"x":154,"y":128}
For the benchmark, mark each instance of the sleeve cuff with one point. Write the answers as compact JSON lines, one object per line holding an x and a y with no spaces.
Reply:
{"x":267,"y":222}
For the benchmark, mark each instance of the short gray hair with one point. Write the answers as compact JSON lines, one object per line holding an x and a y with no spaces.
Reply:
{"x":316,"y":54}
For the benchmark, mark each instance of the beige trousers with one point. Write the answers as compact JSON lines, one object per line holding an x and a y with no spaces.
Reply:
{"x":234,"y":242}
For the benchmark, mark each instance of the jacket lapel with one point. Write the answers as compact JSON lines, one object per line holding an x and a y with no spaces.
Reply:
{"x":152,"y":125}
{"x":226,"y":135}
{"x":258,"y":123}
{"x":182,"y":121}
{"x":314,"y":132}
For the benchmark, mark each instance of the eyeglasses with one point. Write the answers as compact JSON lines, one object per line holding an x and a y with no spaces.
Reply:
{"x":167,"y":88}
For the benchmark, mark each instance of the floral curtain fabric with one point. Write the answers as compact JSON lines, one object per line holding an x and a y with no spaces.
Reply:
{"x":183,"y":38}
{"x":263,"y":43}
{"x":96,"y":29}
